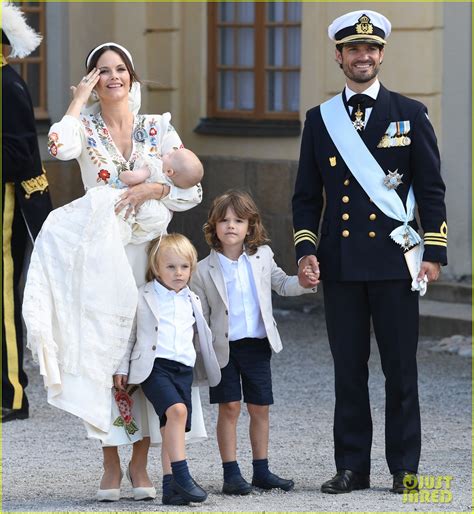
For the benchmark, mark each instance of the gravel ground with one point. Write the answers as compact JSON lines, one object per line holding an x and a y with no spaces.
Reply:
{"x":49,"y":465}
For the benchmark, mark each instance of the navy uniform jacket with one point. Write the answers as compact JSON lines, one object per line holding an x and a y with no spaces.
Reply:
{"x":21,"y":161}
{"x":355,"y":242}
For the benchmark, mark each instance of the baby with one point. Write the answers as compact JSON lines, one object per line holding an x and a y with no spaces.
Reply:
{"x":180,"y":167}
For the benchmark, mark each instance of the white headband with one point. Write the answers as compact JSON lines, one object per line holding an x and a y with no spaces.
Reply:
{"x":110,"y":43}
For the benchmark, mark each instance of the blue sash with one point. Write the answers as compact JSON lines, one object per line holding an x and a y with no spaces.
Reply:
{"x":368,"y":172}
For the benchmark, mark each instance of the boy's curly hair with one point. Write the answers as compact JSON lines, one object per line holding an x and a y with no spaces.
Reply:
{"x":244,"y":207}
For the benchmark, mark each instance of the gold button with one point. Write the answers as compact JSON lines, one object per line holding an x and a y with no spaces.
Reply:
{"x":347,"y":182}
{"x":373,"y":217}
{"x":345,"y":233}
{"x":345,"y":199}
{"x":345,"y":216}
{"x":371,"y":234}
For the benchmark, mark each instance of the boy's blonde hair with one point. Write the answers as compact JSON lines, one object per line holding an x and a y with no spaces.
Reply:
{"x":244,"y":207}
{"x":180,"y":244}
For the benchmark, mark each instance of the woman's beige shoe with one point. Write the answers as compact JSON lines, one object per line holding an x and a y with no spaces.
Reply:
{"x":109,"y":495}
{"x":141,"y":493}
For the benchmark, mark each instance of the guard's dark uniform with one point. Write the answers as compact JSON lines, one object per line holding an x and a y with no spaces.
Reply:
{"x":364,"y":272}
{"x":26,"y":204}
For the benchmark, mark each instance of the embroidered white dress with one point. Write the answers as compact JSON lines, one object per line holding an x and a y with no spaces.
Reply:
{"x":81,"y":290}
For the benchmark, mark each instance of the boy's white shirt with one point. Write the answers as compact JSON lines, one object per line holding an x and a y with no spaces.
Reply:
{"x":176,"y":325}
{"x":209,"y":284}
{"x":245,"y":318}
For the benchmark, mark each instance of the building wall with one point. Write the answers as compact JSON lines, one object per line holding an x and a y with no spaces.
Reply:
{"x":169,"y":45}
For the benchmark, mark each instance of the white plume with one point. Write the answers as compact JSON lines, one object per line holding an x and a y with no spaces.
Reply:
{"x":23,"y":39}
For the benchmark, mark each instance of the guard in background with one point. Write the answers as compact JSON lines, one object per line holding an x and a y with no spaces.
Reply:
{"x":26,"y":201}
{"x":372,"y":152}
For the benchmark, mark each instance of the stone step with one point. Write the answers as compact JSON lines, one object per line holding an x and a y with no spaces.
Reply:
{"x":444,"y":319}
{"x":449,"y":292}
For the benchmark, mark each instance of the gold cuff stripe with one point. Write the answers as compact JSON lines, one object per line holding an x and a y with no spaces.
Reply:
{"x":305,"y":232}
{"x":439,"y":239}
{"x":8,"y":299}
{"x":435,"y":243}
{"x":304,"y":238}
{"x":436,"y":234}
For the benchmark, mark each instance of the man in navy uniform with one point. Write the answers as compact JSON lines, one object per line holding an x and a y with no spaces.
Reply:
{"x":26,"y":202}
{"x":367,"y":156}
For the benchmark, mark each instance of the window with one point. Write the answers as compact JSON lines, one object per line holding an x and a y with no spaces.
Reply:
{"x":33,"y":67}
{"x":254,"y":61}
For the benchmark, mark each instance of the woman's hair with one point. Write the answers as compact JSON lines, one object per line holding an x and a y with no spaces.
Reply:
{"x":244,"y":207}
{"x":180,"y":244}
{"x":96,"y":56}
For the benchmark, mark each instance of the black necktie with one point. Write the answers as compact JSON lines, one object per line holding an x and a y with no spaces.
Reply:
{"x":359,"y":103}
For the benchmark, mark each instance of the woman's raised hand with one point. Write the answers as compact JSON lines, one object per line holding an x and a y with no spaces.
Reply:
{"x":82,"y":91}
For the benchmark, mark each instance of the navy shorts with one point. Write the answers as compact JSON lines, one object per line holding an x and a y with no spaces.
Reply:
{"x":169,"y":383}
{"x":248,"y":370}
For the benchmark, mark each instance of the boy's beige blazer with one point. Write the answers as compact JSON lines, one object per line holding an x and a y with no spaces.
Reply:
{"x":140,"y":355}
{"x":208,"y":282}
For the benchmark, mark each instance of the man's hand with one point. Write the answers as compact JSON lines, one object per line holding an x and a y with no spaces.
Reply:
{"x":308,"y":271}
{"x":432,"y":271}
{"x":120,"y":382}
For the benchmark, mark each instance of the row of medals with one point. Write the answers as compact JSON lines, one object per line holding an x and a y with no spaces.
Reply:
{"x":387,"y":141}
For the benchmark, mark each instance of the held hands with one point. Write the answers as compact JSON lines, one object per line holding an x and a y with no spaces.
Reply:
{"x":431,"y":270}
{"x":308,"y":271}
{"x":120,"y":382}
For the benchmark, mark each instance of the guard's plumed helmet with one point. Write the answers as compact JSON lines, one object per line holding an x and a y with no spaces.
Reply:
{"x":16,"y":32}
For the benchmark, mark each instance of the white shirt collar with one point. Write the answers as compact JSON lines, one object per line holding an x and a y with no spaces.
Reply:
{"x":161,"y":290}
{"x":226,"y":260}
{"x":371,"y":91}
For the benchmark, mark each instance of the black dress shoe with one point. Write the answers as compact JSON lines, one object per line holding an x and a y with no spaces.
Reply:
{"x":404,"y":481}
{"x":190,"y":491}
{"x":11,"y":414}
{"x":272,"y":481}
{"x":173,"y":499}
{"x":346,"y":481}
{"x":238,"y":486}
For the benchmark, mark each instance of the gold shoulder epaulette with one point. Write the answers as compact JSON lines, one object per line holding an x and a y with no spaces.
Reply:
{"x":35,"y":184}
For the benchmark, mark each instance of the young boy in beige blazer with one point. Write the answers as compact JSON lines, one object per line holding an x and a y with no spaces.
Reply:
{"x":170,"y":344}
{"x":235,"y":285}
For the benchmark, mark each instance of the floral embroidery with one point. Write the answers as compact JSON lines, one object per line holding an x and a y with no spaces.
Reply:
{"x":124,"y":402}
{"x":153,"y":131}
{"x":96,"y":157}
{"x":53,"y":143}
{"x":103,"y":175}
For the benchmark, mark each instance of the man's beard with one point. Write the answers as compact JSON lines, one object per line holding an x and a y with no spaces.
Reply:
{"x":363,"y":77}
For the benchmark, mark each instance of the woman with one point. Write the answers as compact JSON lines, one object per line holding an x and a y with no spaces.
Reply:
{"x":87,"y":298}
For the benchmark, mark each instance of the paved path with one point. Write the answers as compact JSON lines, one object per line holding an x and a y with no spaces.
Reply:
{"x":49,"y":465}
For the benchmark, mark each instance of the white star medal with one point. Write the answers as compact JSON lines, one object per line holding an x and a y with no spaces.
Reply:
{"x":359,"y":123}
{"x":392,"y":180}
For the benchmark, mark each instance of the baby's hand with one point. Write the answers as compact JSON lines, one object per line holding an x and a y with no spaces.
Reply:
{"x":137,"y":176}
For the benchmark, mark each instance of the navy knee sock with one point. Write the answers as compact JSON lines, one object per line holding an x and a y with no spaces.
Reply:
{"x":231,"y":471}
{"x":180,"y":471}
{"x":167,"y":485}
{"x":260,"y":469}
